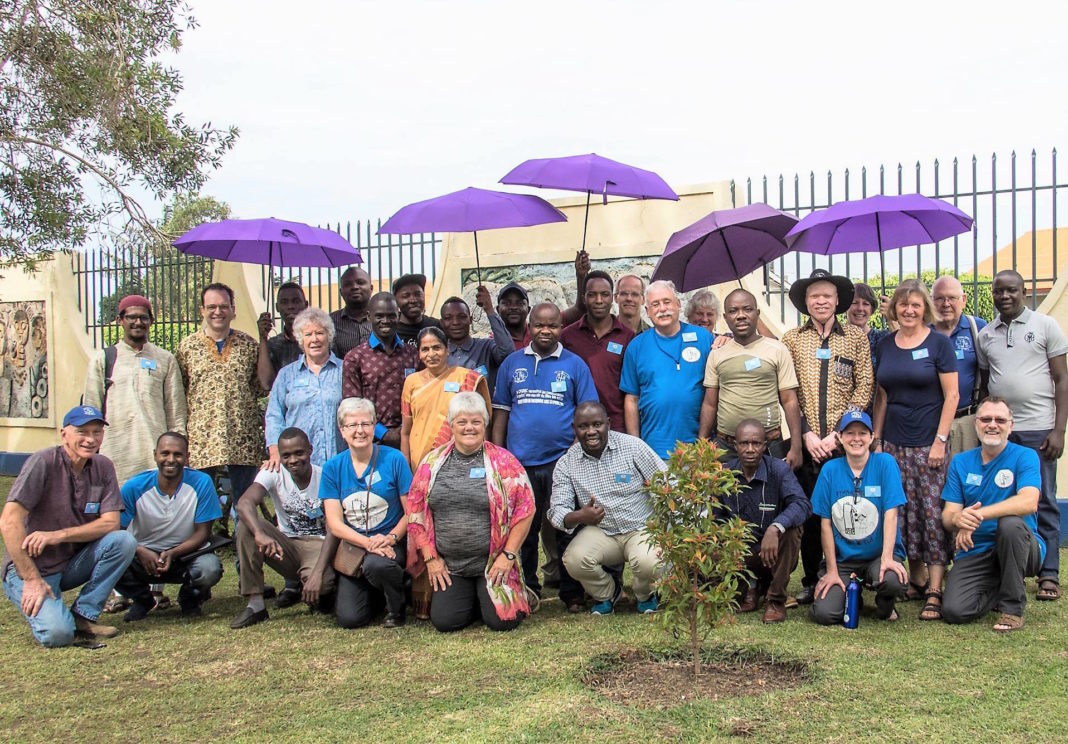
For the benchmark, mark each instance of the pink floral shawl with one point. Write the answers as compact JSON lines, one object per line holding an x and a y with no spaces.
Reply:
{"x":511,"y":500}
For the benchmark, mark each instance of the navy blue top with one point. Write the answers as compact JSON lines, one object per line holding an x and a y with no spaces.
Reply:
{"x":913,"y":391}
{"x":773,"y":495}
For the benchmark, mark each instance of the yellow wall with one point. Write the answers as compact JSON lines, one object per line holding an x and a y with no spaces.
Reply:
{"x":1056,"y":306}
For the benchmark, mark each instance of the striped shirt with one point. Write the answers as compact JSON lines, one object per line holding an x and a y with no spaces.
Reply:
{"x":617,"y":478}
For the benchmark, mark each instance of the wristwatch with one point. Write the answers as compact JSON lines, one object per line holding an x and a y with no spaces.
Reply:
{"x":395,"y":536}
{"x":942,"y":438}
{"x":509,"y":556}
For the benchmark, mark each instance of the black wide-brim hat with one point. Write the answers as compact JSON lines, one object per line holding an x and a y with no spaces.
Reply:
{"x":843,"y":285}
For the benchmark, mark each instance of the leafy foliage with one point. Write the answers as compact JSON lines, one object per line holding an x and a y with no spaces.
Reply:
{"x":704,"y":554}
{"x":84,"y":100}
{"x":977,"y":288}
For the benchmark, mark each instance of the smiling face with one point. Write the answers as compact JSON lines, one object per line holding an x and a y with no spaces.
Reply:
{"x":412,"y":303}
{"x":384,"y":317}
{"x":295,"y":454}
{"x":591,"y":429}
{"x":856,"y":439}
{"x":135,"y":322}
{"x":545,"y":327}
{"x":663,"y":307}
{"x":217,"y":311}
{"x":171,"y":455}
{"x":949,"y":300}
{"x":433,"y":354}
{"x":82,"y":442}
{"x":859,"y":313}
{"x":821,"y":299}
{"x":910,"y":309}
{"x":468,"y":431}
{"x":358,"y":430}
{"x":598,"y":297}
{"x":993,"y":424}
{"x":314,"y":341}
{"x":1008,"y":295}
{"x":456,"y":321}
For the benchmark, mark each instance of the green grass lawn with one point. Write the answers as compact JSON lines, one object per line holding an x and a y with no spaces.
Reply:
{"x":299,"y":678}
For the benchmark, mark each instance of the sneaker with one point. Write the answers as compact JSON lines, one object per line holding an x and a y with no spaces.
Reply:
{"x":649,"y":606}
{"x":138,"y":611}
{"x":286,"y":598}
{"x":248,"y":617}
{"x":608,"y":606}
{"x":86,"y":628}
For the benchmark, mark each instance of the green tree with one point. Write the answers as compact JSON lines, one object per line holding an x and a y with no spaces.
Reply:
{"x":704,"y":553}
{"x":978,"y":289}
{"x":86,"y":105}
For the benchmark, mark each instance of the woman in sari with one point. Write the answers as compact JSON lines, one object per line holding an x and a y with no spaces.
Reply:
{"x":426,"y":395}
{"x":470,"y":506}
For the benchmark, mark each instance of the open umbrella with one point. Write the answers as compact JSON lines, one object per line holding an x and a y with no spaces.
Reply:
{"x":724,"y":245}
{"x":268,"y":241}
{"x":471,"y":210}
{"x":594,"y":175}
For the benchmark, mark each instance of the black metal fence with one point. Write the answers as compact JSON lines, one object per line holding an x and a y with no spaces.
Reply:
{"x":1015,"y":206}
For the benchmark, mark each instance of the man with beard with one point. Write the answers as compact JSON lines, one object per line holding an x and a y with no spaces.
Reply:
{"x":1022,"y":360}
{"x":410,"y":293}
{"x":283,"y":349}
{"x":376,"y":369}
{"x":482,"y":354}
{"x":351,"y":325}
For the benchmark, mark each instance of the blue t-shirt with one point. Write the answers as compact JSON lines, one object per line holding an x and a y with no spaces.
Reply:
{"x":540,"y":396}
{"x":971,"y":481}
{"x":161,"y":521}
{"x":913,"y":391}
{"x":856,"y":509}
{"x":378,"y":510}
{"x":964,"y":353}
{"x":667,"y":375}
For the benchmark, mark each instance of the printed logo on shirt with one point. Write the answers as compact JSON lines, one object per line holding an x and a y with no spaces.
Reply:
{"x":691,"y":354}
{"x":855,"y":518}
{"x":364,"y":509}
{"x":1004,"y":478}
{"x":520,"y":375}
{"x":562,"y":375}
{"x":919,"y":354}
{"x":973,"y":479}
{"x":614,"y":347}
{"x":1029,"y":337}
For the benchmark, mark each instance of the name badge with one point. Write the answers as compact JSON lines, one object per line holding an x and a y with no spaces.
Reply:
{"x":689,"y":336}
{"x":299,"y":383}
{"x":560,"y":386}
{"x":873,"y":492}
{"x":622,"y":477}
{"x":93,"y":507}
{"x":751,"y":364}
{"x":316,"y":513}
{"x":148,"y":364}
{"x":766,"y":507}
{"x":974,"y":479}
{"x":452,"y":387}
{"x":919,"y":354}
{"x":481,"y":369}
{"x":614,"y":347}
{"x":823,"y":353}
{"x":478,"y":472}
{"x":409,"y":371}
{"x":960,"y":353}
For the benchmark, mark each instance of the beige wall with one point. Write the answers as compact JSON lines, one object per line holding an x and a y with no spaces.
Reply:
{"x":1056,"y":306}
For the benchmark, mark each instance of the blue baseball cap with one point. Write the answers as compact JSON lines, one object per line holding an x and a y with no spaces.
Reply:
{"x":81,"y":415}
{"x":853,"y":417}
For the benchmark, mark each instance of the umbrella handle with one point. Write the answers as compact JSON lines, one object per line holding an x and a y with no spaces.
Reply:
{"x":478,"y":264}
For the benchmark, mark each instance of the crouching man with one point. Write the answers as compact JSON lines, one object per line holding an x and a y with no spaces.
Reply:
{"x":991,"y":503}
{"x":170,"y":511}
{"x":599,"y":489}
{"x":61,"y":530}
{"x":772,"y":501}
{"x":299,"y":548}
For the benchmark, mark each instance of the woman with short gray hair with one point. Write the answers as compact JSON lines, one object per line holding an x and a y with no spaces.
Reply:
{"x":703,"y":309}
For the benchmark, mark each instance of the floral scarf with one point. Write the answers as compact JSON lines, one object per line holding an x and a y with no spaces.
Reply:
{"x":511,"y":500}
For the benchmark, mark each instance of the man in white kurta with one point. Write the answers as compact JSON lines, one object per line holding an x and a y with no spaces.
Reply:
{"x":145,"y":397}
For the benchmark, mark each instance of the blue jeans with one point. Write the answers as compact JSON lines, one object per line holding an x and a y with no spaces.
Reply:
{"x":99,"y":566}
{"x":1049,"y":516}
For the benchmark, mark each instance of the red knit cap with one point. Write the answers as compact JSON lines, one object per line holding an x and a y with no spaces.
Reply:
{"x":135,"y":301}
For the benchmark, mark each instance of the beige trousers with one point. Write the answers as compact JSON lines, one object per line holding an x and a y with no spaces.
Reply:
{"x":591,"y":550}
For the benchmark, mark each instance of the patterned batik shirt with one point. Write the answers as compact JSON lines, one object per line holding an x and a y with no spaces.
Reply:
{"x":834,"y":373}
{"x":369,"y":372}
{"x":225,"y":425}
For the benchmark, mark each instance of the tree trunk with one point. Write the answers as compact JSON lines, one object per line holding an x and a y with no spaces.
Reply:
{"x":695,"y":642}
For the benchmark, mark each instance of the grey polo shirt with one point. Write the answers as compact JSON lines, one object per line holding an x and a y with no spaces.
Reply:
{"x":1017,"y":355}
{"x":484,"y":354}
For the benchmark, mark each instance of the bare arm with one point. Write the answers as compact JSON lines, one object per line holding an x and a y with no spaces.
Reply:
{"x":13,"y":530}
{"x":707,"y":419}
{"x":201,"y":533}
{"x":576,"y":311}
{"x":792,"y":409}
{"x":500,"y":427}
{"x":878,"y":413}
{"x":1053,"y":446}
{"x":406,"y":439}
{"x":631,"y":420}
{"x":249,"y":504}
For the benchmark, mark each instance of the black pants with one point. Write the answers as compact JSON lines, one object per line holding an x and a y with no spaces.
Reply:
{"x":382,"y":582}
{"x":995,"y":579}
{"x":464,"y":601}
{"x":541,"y":482}
{"x":811,"y":547}
{"x":831,"y":609}
{"x":197,"y":576}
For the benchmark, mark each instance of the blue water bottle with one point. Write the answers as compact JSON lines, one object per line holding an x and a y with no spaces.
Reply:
{"x":852,"y":607}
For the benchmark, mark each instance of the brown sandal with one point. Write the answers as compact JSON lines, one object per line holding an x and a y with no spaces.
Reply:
{"x":913,"y":592}
{"x":932,"y":611}
{"x":1048,"y":590}
{"x":1007,"y":623}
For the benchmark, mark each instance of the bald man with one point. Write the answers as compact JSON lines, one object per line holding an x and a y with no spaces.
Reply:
{"x":950,"y":301}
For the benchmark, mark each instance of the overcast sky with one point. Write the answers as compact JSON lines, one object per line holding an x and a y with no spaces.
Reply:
{"x":350,"y":110}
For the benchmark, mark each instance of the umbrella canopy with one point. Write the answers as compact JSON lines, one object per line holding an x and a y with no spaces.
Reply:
{"x":268,"y":241}
{"x":724,"y":245}
{"x":594,"y":175}
{"x":470,"y":210}
{"x":878,"y":223}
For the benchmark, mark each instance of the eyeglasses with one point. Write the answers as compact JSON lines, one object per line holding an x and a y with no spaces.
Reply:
{"x":137,"y":318}
{"x":945,"y":299}
{"x":358,"y":425}
{"x":999,"y":420}
{"x":217,"y":308}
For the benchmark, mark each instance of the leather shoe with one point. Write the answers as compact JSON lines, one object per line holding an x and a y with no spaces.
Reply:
{"x":249,"y":617}
{"x":86,"y":628}
{"x":774,"y":612}
{"x":393,"y":620}
{"x":749,"y":604}
{"x":286,"y":598}
{"x":807,"y":595}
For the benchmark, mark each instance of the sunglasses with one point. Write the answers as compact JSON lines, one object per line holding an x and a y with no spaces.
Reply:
{"x":996,"y":419}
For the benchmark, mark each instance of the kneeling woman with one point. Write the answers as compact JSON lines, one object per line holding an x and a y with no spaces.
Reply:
{"x":363,"y":491}
{"x":469,"y":509}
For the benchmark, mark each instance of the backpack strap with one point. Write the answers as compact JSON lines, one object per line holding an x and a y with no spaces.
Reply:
{"x":975,"y":334}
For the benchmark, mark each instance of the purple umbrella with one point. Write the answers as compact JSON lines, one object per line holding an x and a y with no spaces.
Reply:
{"x":878,"y":223}
{"x":724,"y":245}
{"x":471,"y":210}
{"x":268,"y":241}
{"x":592,"y":174}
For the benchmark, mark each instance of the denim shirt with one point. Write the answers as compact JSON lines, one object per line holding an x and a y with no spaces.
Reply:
{"x":301,"y":398}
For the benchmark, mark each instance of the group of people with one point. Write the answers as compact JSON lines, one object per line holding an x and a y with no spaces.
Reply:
{"x":412,"y":465}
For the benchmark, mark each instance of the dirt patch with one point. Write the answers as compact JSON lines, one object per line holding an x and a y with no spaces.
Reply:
{"x":665,"y":679}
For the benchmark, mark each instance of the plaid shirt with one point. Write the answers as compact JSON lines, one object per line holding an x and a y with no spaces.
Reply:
{"x":618,"y":479}
{"x":834,"y":373}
